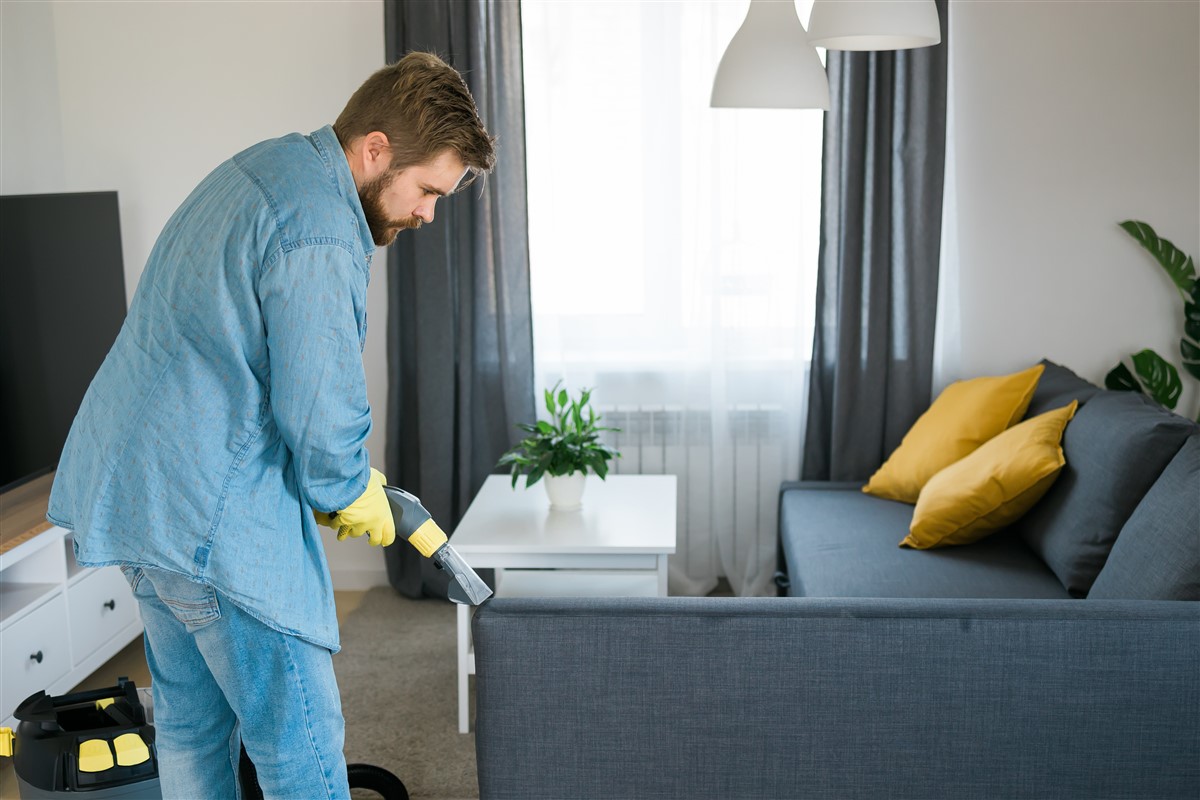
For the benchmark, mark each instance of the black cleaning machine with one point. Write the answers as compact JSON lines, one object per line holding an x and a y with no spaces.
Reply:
{"x":94,"y":744}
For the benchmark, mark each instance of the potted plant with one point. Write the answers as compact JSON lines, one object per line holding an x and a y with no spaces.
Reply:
{"x":562,"y":449}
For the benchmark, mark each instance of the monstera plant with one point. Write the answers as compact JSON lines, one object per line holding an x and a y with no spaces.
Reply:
{"x":1155,"y":375}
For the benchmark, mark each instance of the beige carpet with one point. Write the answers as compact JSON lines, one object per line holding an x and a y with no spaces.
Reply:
{"x":397,"y":674}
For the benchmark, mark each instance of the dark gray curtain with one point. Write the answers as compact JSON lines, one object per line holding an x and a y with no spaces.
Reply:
{"x":881,"y":215}
{"x":460,"y":336}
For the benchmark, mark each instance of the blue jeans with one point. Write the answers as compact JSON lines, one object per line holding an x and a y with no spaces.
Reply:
{"x":221,"y":678}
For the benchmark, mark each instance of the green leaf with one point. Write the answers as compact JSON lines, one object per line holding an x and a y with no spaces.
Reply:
{"x":1178,"y":265}
{"x":1120,"y":379}
{"x":1191,"y":357}
{"x":1159,"y":376}
{"x":534,"y":477}
{"x":562,"y":397}
{"x":1191,"y":330}
{"x":545,"y":427}
{"x":1189,"y":345}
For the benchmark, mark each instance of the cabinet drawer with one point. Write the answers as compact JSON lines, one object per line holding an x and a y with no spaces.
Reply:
{"x":44,"y":631}
{"x":101,"y":604}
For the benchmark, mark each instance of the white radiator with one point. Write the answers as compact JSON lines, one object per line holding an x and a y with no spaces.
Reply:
{"x":729,"y":467}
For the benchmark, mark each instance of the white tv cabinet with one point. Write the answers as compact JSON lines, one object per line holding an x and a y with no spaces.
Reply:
{"x":59,"y":622}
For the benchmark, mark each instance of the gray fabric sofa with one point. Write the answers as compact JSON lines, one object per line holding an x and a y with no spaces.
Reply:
{"x":971,"y":672}
{"x":1132,"y":476}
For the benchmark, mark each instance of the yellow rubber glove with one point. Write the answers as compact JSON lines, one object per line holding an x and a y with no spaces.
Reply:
{"x":370,"y":514}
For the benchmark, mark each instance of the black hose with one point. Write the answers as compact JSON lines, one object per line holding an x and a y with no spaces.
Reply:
{"x":376,"y":779}
{"x":359,"y":776}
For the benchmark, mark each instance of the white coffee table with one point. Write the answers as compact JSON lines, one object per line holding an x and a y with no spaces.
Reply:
{"x":615,"y":545}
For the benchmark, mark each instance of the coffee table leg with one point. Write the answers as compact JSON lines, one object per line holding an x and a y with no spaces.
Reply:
{"x":464,"y":668}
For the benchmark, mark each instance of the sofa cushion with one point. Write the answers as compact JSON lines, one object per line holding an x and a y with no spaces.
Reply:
{"x":1116,"y":447}
{"x":1157,"y":554}
{"x":1057,"y":387}
{"x":965,"y":415}
{"x":842,"y":543}
{"x":992,"y":487}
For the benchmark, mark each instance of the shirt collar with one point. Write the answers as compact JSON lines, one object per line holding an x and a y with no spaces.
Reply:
{"x":327,"y":144}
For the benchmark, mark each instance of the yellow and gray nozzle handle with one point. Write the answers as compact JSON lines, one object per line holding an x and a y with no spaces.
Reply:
{"x":416,"y":525}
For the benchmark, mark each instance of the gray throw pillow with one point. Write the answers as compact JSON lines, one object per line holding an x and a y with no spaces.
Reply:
{"x":1056,"y":387}
{"x":1157,"y":555}
{"x":1116,"y":447}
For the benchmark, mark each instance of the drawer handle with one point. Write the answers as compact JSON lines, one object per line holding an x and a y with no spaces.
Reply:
{"x":111,"y":605}
{"x":36,"y":657}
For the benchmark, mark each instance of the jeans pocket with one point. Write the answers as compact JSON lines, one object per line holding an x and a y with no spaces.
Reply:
{"x":133,"y":575}
{"x":194,"y":604}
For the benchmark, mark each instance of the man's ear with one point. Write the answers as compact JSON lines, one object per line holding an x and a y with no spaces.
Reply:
{"x":376,"y":154}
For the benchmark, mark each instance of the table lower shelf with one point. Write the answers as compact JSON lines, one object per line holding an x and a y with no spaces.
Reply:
{"x":575,"y":583}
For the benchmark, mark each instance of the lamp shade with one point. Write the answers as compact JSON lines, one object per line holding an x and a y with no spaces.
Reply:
{"x":769,"y":63}
{"x":873,"y":24}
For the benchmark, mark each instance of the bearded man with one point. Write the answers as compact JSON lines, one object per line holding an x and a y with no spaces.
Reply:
{"x":231,"y":416}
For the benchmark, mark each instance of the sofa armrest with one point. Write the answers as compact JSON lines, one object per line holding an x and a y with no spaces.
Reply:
{"x":848,"y":698}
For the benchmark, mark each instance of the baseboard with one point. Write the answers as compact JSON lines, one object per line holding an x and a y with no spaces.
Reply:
{"x":357,"y":579}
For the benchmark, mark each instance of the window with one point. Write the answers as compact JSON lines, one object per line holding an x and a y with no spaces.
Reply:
{"x":673,"y":253}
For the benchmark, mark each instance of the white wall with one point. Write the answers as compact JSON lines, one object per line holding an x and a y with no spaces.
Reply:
{"x":1069,"y":117}
{"x":146,"y":98}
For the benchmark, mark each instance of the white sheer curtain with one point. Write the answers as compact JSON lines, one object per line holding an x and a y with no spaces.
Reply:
{"x":673,"y":256}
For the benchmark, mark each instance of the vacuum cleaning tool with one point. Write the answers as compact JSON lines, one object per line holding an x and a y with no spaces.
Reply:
{"x":96,"y":744}
{"x":416,"y":525}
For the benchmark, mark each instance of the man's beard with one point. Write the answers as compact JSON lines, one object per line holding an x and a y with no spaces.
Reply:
{"x":383,"y":228}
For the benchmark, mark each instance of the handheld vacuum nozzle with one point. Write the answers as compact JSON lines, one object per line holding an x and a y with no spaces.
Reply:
{"x":416,"y":525}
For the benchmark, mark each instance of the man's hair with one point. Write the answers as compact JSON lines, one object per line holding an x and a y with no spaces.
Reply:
{"x":423,"y":106}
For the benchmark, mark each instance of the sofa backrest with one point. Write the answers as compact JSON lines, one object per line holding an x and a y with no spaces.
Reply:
{"x":1157,"y":554}
{"x":1056,"y":387}
{"x":853,"y":698}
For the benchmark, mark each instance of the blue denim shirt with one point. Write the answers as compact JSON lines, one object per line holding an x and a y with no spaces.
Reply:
{"x":233,"y":401}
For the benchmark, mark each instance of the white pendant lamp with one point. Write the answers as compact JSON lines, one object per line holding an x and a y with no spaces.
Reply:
{"x":769,"y":63}
{"x":873,"y":24}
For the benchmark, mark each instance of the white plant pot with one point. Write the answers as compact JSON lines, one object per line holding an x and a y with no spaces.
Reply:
{"x":565,"y":491}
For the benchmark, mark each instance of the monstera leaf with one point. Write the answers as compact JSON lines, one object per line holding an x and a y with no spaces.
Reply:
{"x":1177,"y":264}
{"x":1155,"y":375}
{"x":1189,"y":345}
{"x":1120,"y":379}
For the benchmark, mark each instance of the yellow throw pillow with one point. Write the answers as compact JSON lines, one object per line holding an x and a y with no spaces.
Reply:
{"x":965,"y":415}
{"x":993,"y":486}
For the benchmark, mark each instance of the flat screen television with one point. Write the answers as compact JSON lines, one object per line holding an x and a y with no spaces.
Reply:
{"x":62,"y":280}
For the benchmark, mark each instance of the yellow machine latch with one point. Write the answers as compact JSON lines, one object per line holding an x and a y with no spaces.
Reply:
{"x":131,"y":749}
{"x":105,"y":703}
{"x":94,"y":756}
{"x":6,"y":742}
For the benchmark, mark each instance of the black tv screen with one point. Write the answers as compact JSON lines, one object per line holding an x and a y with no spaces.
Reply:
{"x":63,"y":286}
